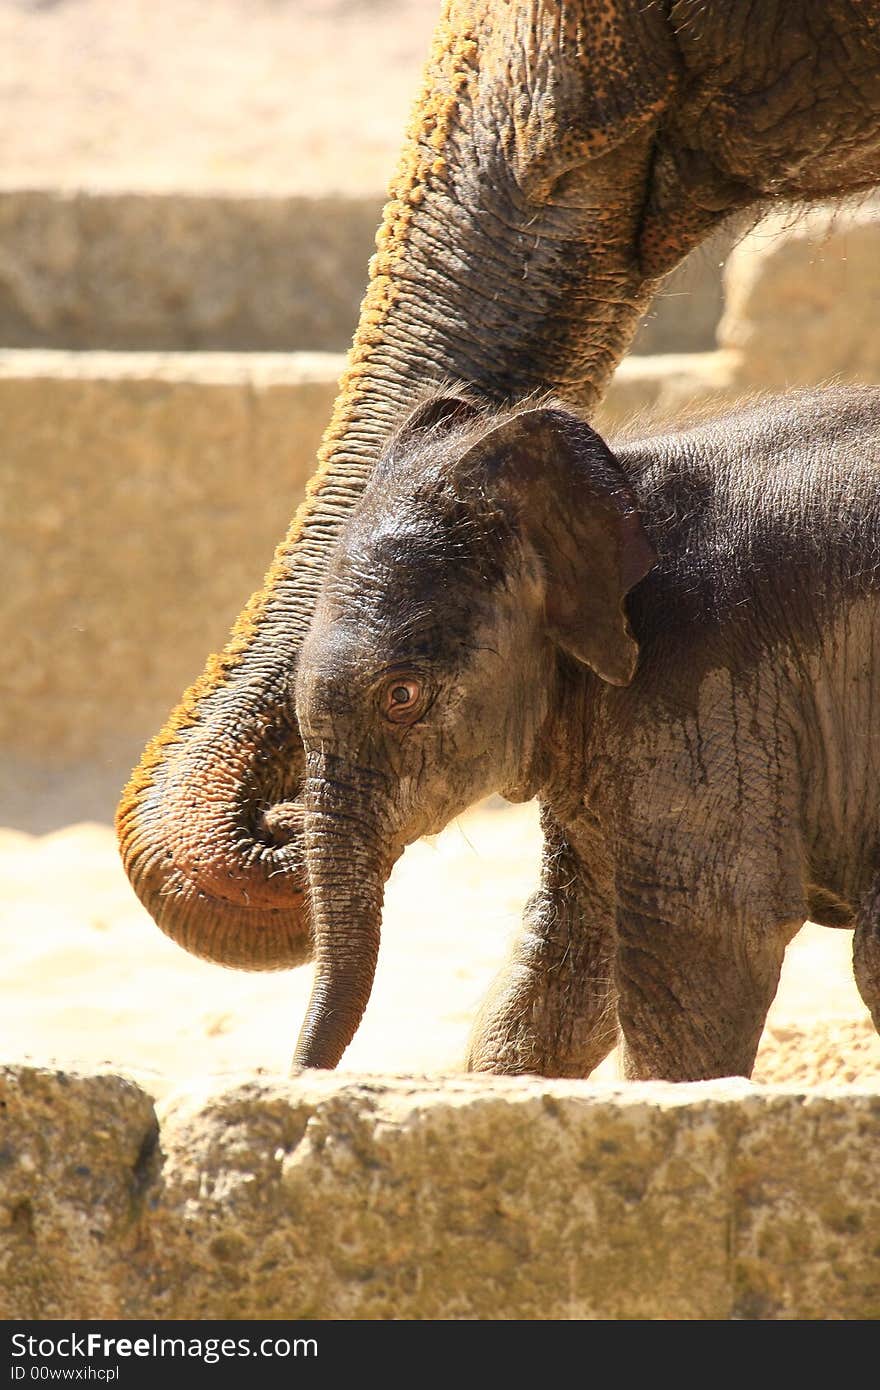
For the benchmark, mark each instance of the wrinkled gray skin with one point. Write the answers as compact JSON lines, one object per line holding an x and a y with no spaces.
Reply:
{"x":673,"y":647}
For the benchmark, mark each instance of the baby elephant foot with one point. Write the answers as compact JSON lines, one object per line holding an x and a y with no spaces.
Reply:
{"x":543,"y":1024}
{"x":513,"y":1048}
{"x":553,"y":1008}
{"x":693,"y":1005}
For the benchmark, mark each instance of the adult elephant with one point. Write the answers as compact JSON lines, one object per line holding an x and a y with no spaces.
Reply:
{"x":563,"y":156}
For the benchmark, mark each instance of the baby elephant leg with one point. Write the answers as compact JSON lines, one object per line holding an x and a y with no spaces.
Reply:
{"x":551,"y":1011}
{"x":692,"y":998}
{"x":866,"y":951}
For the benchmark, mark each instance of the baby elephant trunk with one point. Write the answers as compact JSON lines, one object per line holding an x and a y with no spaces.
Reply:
{"x":349,"y":860}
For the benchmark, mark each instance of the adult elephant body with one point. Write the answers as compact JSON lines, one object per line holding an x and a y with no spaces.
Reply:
{"x":560,"y":160}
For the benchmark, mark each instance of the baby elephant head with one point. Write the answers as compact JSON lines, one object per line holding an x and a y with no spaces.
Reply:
{"x":483,"y":549}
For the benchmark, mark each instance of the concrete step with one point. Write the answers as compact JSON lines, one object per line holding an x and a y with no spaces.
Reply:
{"x":181,"y":271}
{"x":92,"y":269}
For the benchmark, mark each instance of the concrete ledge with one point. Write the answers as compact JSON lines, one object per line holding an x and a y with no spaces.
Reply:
{"x":803,"y":297}
{"x":149,"y":270}
{"x":472,"y":1197}
{"x":209,"y":369}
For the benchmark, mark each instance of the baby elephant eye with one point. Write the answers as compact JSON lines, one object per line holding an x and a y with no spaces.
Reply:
{"x":402,"y":700}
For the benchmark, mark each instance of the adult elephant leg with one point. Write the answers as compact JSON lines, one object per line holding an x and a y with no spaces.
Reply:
{"x":508,"y":259}
{"x":552,"y":1011}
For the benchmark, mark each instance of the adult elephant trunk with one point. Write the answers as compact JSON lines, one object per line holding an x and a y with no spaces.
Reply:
{"x":214,"y":851}
{"x":349,"y":862}
{"x":511,"y":258}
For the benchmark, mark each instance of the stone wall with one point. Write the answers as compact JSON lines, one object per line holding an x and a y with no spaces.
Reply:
{"x":802,"y":299}
{"x":460,"y":1198}
{"x":182,"y":271}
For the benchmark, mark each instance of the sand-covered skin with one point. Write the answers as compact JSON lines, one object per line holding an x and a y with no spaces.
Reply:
{"x":88,"y":977}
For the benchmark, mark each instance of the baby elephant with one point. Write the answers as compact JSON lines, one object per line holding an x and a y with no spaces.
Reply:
{"x":675,"y":646}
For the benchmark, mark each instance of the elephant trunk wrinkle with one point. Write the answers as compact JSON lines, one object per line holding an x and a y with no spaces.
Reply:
{"x":347,"y":873}
{"x":204,"y":857}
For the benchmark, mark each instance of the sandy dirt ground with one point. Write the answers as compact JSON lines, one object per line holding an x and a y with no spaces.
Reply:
{"x":89,"y":978}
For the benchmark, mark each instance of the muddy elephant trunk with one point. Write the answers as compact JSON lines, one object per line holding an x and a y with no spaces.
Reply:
{"x":349,"y":861}
{"x":213,"y":849}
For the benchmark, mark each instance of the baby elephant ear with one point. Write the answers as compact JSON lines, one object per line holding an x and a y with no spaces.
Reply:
{"x":573,"y":503}
{"x":439,"y":413}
